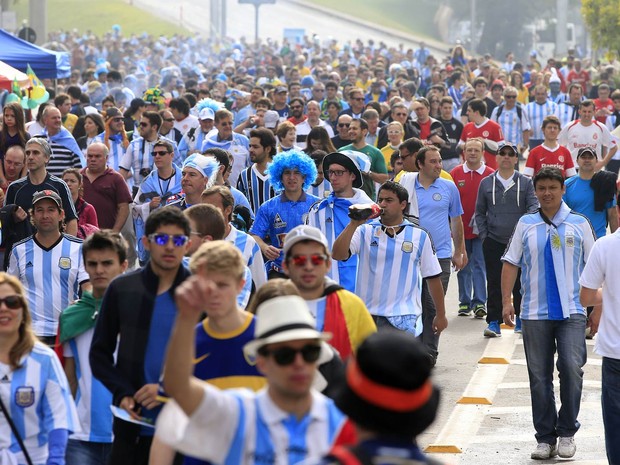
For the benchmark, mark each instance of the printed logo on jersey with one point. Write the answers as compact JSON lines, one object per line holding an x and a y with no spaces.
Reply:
{"x":29,"y":265}
{"x":328,"y":219}
{"x":24,"y":396}
{"x":560,"y":159}
{"x":594,"y":136}
{"x":485,"y":134}
{"x":278,"y":223}
{"x":64,"y":263}
{"x":200,"y":359}
{"x":461,"y":183}
{"x":374,"y":244}
{"x":569,"y":240}
{"x":437,"y":197}
{"x":407,"y":247}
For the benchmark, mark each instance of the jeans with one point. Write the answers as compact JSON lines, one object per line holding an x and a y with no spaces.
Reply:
{"x":610,"y":401}
{"x":87,"y":453}
{"x":473,"y":276}
{"x":493,"y":251}
{"x":429,"y":338}
{"x":541,"y":338}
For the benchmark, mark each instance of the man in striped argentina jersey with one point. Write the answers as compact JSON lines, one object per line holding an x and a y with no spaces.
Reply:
{"x":105,"y":257}
{"x":551,"y":247}
{"x":222,"y":198}
{"x":537,"y":111}
{"x":65,"y":151}
{"x":330,"y":215}
{"x":510,"y":116}
{"x":254,"y":181}
{"x":49,"y":264}
{"x":394,"y":256}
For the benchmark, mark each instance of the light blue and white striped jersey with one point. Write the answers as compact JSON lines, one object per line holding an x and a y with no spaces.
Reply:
{"x":567,"y":113}
{"x":331,"y":216}
{"x":92,"y":398}
{"x":322,"y":191}
{"x":39,"y":400}
{"x":255,"y":186}
{"x":238,"y":147}
{"x":239,"y":427}
{"x":51,"y":278}
{"x":536,"y":113}
{"x":573,"y":237}
{"x":251,"y":253}
{"x":390,"y":271}
{"x":612,"y":121}
{"x":512,"y":126}
{"x":138,"y":156}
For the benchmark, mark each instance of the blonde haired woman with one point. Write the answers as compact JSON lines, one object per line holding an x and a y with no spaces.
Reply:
{"x":34,"y":391}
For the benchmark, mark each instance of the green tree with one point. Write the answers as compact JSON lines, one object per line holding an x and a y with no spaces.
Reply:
{"x":603,"y":20}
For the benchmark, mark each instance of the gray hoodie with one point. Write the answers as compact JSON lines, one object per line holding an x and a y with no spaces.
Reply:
{"x":499,"y":210}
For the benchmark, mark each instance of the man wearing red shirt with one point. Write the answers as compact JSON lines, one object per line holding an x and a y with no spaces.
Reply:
{"x":603,"y":105}
{"x":550,"y":152}
{"x":481,"y":126}
{"x":580,"y":76}
{"x":467,"y":178}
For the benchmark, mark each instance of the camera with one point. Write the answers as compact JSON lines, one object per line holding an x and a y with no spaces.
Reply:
{"x":144,"y":172}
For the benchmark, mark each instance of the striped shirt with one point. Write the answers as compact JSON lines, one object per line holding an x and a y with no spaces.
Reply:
{"x":192,"y":140}
{"x":62,"y":158}
{"x":239,"y":427}
{"x":536,"y":113}
{"x":251,"y":253}
{"x":567,"y":113}
{"x":512,"y":126}
{"x":331,"y":216}
{"x":51,"y":278}
{"x":390,"y":272}
{"x":255,"y":186}
{"x":92,"y":398}
{"x":322,"y":191}
{"x":574,"y":236}
{"x":39,"y":399}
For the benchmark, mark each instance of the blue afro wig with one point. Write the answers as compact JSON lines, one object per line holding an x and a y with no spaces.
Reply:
{"x":289,"y":160}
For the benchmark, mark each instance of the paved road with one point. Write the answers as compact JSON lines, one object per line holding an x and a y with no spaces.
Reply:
{"x":284,"y":13}
{"x":502,"y":432}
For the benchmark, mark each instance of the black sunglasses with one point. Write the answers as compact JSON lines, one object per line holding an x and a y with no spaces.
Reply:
{"x":12,"y":301}
{"x":286,"y":355}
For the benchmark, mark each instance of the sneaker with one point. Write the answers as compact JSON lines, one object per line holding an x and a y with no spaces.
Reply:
{"x":493,"y":330}
{"x":567,"y":447}
{"x":479,"y":311}
{"x":518,"y":324}
{"x":464,"y":310}
{"x":544,"y":451}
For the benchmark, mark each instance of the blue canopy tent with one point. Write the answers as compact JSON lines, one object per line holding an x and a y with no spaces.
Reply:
{"x":45,"y":63}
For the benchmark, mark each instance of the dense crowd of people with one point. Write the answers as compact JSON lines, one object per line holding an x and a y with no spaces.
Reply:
{"x":186,"y":210}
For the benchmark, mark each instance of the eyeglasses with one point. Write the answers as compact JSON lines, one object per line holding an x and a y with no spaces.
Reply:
{"x":118,"y":119}
{"x":12,"y":302}
{"x":336,"y":173}
{"x":507,"y":154}
{"x":510,"y":96}
{"x":316,"y":259}
{"x":144,"y":125}
{"x":402,"y":157}
{"x":287,"y":355}
{"x":159,"y":153}
{"x":405,"y":114}
{"x":178,"y":240}
{"x":343,"y":125}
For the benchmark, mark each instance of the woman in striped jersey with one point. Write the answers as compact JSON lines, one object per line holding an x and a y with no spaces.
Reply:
{"x":34,"y":391}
